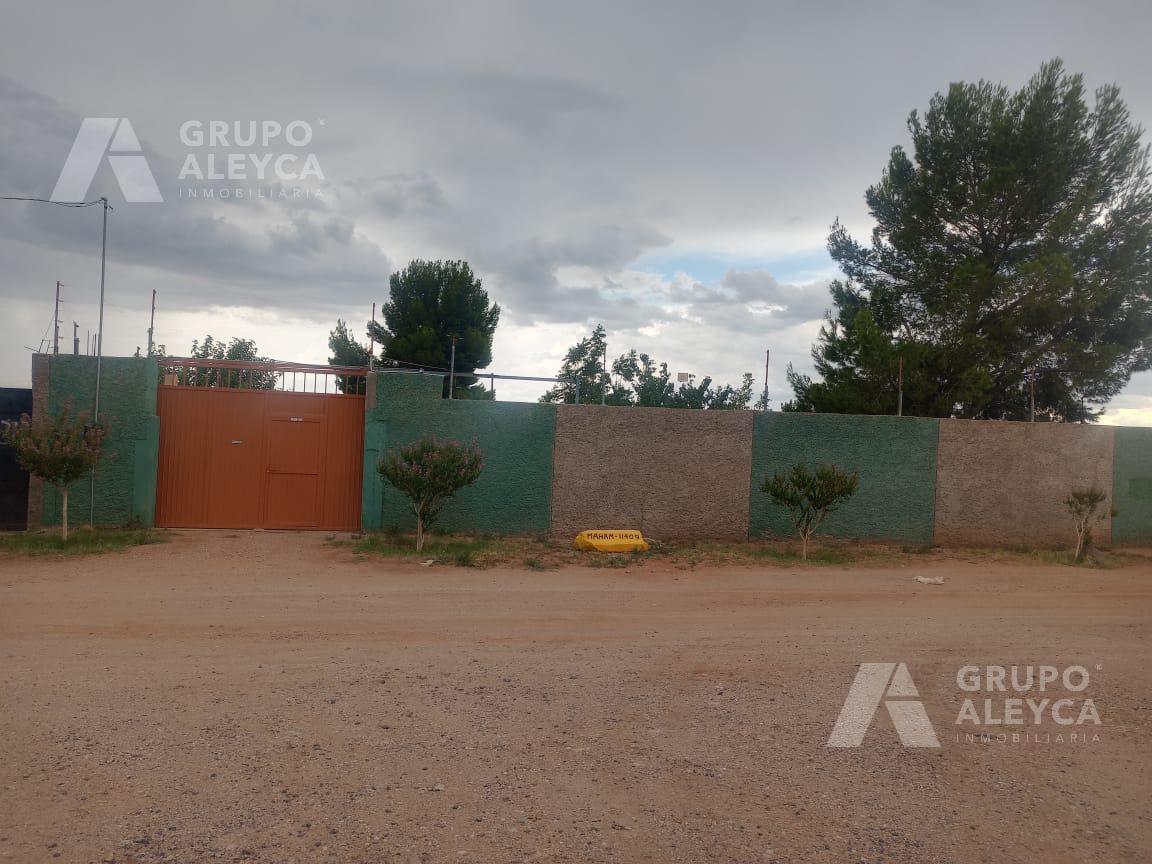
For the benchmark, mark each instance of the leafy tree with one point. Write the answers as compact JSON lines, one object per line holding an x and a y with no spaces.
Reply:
{"x":584,"y":363}
{"x":59,"y":450}
{"x":702,"y":395}
{"x":429,"y":472}
{"x":650,"y":382}
{"x":1084,"y":507}
{"x":727,"y":397}
{"x":636,"y":379}
{"x":810,"y":496}
{"x":346,"y":351}
{"x":217,"y":349}
{"x":762,"y":401}
{"x":1013,"y":245}
{"x":430,"y":303}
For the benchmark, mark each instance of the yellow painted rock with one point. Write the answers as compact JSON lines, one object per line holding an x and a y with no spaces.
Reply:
{"x":611,"y":541}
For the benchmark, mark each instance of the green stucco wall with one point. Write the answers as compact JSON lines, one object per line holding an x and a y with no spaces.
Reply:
{"x":1132,"y":486}
{"x":126,"y":474}
{"x":514,"y":492}
{"x":896,"y":458}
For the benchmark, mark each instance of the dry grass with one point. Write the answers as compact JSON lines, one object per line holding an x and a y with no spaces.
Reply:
{"x":540,"y":553}
{"x":81,"y":541}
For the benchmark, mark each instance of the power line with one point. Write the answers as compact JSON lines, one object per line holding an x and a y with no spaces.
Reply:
{"x":103,"y":202}
{"x":50,"y":201}
{"x":415,"y":365}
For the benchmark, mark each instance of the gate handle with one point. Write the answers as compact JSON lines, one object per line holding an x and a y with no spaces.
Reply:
{"x":237,"y":441}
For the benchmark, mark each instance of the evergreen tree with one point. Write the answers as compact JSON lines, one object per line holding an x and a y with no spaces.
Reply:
{"x":430,"y":303}
{"x":1013,"y":246}
{"x":346,"y":351}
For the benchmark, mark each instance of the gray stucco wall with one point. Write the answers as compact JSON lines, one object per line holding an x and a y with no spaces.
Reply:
{"x":1001,"y":483}
{"x":668,"y":472}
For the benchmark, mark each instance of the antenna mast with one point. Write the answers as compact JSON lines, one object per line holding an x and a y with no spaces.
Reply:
{"x":56,"y":322}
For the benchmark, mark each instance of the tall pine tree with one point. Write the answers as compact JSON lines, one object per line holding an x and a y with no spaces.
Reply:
{"x":430,"y":304}
{"x":1012,"y":250}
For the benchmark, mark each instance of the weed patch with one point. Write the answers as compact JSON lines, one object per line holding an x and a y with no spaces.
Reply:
{"x":84,"y":541}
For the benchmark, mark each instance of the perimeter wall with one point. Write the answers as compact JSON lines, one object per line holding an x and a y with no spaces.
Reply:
{"x":673,"y":474}
{"x":513,"y":494}
{"x":125,"y":477}
{"x":677,"y":474}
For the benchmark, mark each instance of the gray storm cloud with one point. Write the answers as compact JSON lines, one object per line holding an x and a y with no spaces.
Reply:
{"x":552,"y":145}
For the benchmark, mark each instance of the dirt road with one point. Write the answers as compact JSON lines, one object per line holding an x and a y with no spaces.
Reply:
{"x":266,"y":697}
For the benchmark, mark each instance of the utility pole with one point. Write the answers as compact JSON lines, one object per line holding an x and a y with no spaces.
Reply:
{"x":604,"y":381}
{"x":1032,"y":399}
{"x":75,"y":339}
{"x":151,"y":322}
{"x":900,"y":390}
{"x":452,"y":370}
{"x":99,"y":356}
{"x":372,"y":336}
{"x":767,"y":357}
{"x":56,"y":322}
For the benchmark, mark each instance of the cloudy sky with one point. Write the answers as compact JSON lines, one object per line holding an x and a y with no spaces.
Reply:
{"x":670,"y":169}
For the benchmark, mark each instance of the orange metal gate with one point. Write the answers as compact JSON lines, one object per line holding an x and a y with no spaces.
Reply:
{"x":232,"y":457}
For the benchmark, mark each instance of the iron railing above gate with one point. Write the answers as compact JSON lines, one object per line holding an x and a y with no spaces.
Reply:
{"x":262,"y":375}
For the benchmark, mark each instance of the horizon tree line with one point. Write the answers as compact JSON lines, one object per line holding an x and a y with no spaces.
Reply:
{"x":1009,"y":276}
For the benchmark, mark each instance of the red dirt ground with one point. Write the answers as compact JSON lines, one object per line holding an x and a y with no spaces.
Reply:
{"x":267,"y":697}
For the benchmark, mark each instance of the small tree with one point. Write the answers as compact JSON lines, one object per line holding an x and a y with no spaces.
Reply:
{"x":59,"y":450}
{"x":1085,"y":507}
{"x":810,"y":496}
{"x":217,"y":349}
{"x":428,"y":472}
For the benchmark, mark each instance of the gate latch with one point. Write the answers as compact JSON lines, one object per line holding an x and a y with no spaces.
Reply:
{"x":237,"y":441}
